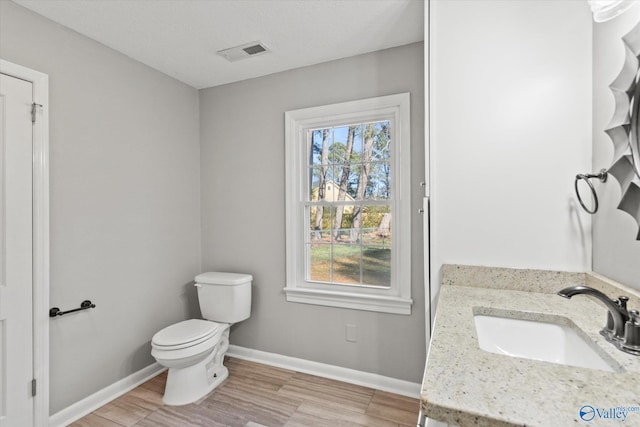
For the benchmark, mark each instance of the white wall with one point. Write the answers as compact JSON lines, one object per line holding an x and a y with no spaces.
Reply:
{"x":125,"y":220}
{"x":615,"y":249}
{"x":510,"y":129}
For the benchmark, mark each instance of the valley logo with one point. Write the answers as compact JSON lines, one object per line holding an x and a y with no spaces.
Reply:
{"x":620,"y":413}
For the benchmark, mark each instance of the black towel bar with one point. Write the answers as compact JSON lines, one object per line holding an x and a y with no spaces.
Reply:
{"x":86,"y":304}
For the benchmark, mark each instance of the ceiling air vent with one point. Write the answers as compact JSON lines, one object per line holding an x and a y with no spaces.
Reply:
{"x":244,"y":51}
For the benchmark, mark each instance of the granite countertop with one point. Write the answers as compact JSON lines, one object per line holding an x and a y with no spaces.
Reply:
{"x":467,"y":386}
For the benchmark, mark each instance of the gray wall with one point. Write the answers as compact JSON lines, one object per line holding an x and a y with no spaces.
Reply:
{"x":616,"y":252}
{"x":125,"y":205}
{"x":125,"y":220}
{"x":243,"y":208}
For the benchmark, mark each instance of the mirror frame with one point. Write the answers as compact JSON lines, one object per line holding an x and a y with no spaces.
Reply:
{"x":624,"y":127}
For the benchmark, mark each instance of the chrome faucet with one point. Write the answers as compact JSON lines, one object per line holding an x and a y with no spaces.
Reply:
{"x":623,"y":326}
{"x":617,"y":309}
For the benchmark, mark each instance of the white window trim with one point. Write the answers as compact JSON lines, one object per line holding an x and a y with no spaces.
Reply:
{"x":397,"y":298}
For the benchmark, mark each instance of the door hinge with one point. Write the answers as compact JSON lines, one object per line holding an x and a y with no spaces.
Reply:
{"x":33,"y":387}
{"x":34,"y":110}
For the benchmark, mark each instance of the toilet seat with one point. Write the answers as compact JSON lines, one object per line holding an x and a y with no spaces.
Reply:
{"x":185,"y":334}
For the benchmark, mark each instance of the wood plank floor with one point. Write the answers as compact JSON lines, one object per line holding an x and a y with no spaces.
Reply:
{"x":257,"y":395}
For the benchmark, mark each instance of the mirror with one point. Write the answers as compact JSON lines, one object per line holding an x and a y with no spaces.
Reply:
{"x":634,"y":137}
{"x":624,"y":128}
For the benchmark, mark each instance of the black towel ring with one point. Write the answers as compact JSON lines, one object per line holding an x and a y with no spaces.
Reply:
{"x":602,"y":176}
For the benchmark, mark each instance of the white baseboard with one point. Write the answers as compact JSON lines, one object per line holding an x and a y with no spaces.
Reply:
{"x":366,"y":379}
{"x":101,"y":397}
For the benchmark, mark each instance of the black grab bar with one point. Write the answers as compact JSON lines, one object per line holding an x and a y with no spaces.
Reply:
{"x":86,"y":304}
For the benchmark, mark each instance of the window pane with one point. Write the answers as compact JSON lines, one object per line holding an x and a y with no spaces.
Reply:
{"x":347,"y":263}
{"x":319,"y":246}
{"x":381,"y":149}
{"x":358,"y":142}
{"x":319,"y":140}
{"x":319,"y":262}
{"x":320,"y":221}
{"x":378,"y":184}
{"x":342,"y":185}
{"x":374,"y":137}
{"x":341,"y":145}
{"x":375,"y":238}
{"x":376,"y":264}
{"x":342,"y":217}
{"x":314,"y":177}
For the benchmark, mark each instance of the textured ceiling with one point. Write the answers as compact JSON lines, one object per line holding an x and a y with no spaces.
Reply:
{"x":181,"y":37}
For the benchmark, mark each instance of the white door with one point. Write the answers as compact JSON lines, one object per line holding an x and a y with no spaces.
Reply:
{"x":16,"y":242}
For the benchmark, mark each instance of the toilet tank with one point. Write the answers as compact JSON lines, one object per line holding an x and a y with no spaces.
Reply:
{"x":224,"y":297}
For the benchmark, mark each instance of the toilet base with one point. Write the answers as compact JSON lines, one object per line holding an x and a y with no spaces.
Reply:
{"x":187,"y":385}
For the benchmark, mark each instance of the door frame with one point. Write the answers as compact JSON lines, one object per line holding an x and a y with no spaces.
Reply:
{"x":40,"y":195}
{"x":426,"y":208}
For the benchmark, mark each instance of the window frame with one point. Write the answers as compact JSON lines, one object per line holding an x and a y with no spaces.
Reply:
{"x":396,"y":298}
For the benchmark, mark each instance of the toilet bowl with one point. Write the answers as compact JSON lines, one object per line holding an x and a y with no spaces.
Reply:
{"x":194,"y":349}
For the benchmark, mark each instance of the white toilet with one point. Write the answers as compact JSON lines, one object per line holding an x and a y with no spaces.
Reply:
{"x":194,"y":349}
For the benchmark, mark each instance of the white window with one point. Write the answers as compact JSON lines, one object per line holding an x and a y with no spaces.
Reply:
{"x":348,"y":205}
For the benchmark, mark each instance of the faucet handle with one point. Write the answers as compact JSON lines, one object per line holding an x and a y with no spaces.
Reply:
{"x":622,"y":301}
{"x":631,"y":342}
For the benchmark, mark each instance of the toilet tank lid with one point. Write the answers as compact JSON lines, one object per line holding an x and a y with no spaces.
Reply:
{"x":218,"y":278}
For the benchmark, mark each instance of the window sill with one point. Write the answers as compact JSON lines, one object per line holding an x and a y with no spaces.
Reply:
{"x":352,"y":300}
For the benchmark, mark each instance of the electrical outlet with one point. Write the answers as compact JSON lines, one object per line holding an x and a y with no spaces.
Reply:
{"x":351,"y":333}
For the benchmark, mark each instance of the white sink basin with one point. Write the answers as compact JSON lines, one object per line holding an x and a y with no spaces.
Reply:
{"x":549,"y":342}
